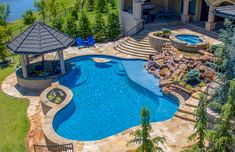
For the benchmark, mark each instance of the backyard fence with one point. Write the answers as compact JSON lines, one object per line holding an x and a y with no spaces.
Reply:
{"x":56,"y":148}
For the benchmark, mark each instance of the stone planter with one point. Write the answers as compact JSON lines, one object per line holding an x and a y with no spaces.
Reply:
{"x":184,"y":46}
{"x":157,"y":42}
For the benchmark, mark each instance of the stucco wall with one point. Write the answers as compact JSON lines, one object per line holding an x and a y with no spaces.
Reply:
{"x":175,"y":5}
{"x":128,"y":22}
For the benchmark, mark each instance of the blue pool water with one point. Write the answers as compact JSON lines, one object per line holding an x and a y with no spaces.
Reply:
{"x":106,"y":101}
{"x":18,"y":8}
{"x":190,"y":39}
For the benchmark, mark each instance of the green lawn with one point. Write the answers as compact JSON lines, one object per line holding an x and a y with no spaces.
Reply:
{"x":13,"y":117}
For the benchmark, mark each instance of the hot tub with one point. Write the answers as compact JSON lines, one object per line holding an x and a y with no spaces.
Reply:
{"x":188,"y":42}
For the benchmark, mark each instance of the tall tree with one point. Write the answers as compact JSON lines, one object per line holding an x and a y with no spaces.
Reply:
{"x":4,"y":14}
{"x":76,"y":9}
{"x":89,"y":5}
{"x":200,"y":127}
{"x":112,"y":3}
{"x":3,"y":53}
{"x":28,"y":17}
{"x":41,"y":8}
{"x":142,"y":136}
{"x":58,"y":23}
{"x":54,"y":7}
{"x":101,"y":6}
{"x":99,"y":28}
{"x":113,"y":27}
{"x":222,"y":138}
{"x":71,"y":27}
{"x":84,"y":27}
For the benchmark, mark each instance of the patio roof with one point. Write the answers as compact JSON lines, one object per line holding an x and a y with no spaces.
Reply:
{"x":226,"y":12}
{"x":39,"y":38}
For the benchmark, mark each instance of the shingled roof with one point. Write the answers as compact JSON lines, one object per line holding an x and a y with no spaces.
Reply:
{"x":226,"y":11}
{"x":39,"y":38}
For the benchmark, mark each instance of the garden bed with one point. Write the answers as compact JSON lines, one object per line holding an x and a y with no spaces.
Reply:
{"x":56,"y":95}
{"x":5,"y":63}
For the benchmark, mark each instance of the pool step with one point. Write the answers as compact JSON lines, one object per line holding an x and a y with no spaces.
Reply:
{"x":120,"y":70}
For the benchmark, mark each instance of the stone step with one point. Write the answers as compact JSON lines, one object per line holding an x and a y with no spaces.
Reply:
{"x":185,"y":116}
{"x":137,"y":48}
{"x":134,"y":50}
{"x":186,"y":109}
{"x":131,"y":53}
{"x":138,"y":43}
{"x":192,"y":102}
{"x":143,"y":43}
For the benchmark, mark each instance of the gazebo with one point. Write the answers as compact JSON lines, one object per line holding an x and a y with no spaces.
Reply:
{"x":39,"y":39}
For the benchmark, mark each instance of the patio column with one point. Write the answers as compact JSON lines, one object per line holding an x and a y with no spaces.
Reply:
{"x":121,"y":5}
{"x":185,"y":16}
{"x":167,"y":4}
{"x":210,"y":24}
{"x":62,"y":65}
{"x":137,"y":9}
{"x":23,"y":64}
{"x":198,"y":11}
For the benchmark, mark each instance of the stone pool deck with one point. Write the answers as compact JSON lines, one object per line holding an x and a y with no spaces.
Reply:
{"x":174,"y":130}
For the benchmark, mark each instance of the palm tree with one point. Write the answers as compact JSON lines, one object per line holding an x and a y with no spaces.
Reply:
{"x":142,"y":136}
{"x":200,"y":126}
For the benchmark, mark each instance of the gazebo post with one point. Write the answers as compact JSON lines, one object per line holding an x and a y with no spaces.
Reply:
{"x":23,"y":64}
{"x":62,"y":65}
{"x":27,"y":59}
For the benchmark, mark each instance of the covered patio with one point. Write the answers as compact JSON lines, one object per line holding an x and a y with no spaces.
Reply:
{"x":36,"y":41}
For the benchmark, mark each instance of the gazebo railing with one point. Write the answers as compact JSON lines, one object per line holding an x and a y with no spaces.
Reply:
{"x":54,"y":148}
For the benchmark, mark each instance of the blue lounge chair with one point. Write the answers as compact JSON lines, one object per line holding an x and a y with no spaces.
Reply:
{"x":79,"y":41}
{"x":90,"y":41}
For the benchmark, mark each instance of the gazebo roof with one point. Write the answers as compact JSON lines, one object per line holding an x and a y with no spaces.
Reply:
{"x":39,"y":38}
{"x":226,"y":11}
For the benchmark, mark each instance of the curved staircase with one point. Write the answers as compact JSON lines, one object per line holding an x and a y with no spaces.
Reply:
{"x":136,"y":46}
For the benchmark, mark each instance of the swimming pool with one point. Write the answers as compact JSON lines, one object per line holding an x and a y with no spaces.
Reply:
{"x":190,"y":39}
{"x":106,"y":101}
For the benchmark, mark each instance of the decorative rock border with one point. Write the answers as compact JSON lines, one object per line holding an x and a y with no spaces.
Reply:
{"x":184,"y":46}
{"x":157,"y":42}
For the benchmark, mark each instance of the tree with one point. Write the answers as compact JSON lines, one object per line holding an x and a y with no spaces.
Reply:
{"x":58,"y":23}
{"x":142,"y":136}
{"x":222,"y":138}
{"x":76,"y":9}
{"x":41,"y":8}
{"x":113,"y":27}
{"x":89,"y":5}
{"x":54,"y":7}
{"x":4,"y":14}
{"x":99,"y":28}
{"x":200,"y":126}
{"x":71,"y":27}
{"x":3,"y":53}
{"x":84,"y":29}
{"x":28,"y":17}
{"x":101,"y":6}
{"x":113,"y":3}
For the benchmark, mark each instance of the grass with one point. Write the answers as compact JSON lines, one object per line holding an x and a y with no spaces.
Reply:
{"x":13,"y":117}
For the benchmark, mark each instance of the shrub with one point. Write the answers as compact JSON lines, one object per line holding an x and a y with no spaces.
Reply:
{"x":99,"y":28}
{"x":193,"y":75}
{"x":101,"y":6}
{"x":202,"y":84}
{"x":58,"y":23}
{"x":182,"y":83}
{"x":70,"y":27}
{"x":3,"y":52}
{"x":113,"y":27}
{"x":89,"y":5}
{"x":164,"y":33}
{"x":84,"y":27}
{"x":188,"y":87}
{"x":28,"y":17}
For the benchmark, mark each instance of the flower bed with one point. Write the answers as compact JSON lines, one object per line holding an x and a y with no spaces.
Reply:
{"x":56,"y":95}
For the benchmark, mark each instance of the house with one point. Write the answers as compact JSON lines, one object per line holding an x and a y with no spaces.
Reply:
{"x":135,"y":13}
